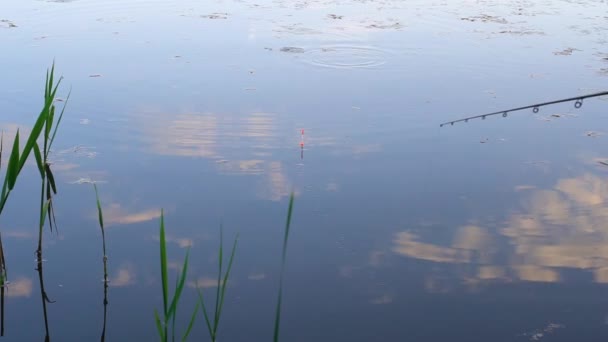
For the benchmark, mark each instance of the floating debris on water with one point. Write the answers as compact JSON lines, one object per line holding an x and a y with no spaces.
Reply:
{"x":382,"y":26}
{"x":84,"y":121}
{"x":79,"y":150}
{"x":291,"y":49}
{"x":523,"y":32}
{"x":215,"y":16}
{"x":335,"y":17}
{"x":7,"y":23}
{"x":95,"y":75}
{"x":565,"y":52}
{"x":484,"y":18}
{"x":593,"y":134}
{"x":297,"y":29}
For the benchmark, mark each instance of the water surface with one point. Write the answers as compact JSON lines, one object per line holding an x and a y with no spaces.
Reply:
{"x":487,"y":231}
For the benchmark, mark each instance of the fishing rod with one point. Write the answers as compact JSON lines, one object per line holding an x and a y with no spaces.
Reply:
{"x":535,"y":108}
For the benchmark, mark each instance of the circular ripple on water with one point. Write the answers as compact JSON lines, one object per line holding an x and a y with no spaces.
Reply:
{"x":345,"y":57}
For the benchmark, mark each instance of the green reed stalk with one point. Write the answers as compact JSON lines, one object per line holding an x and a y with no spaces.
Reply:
{"x":220,"y":293}
{"x":170,"y":307}
{"x":105,"y":263}
{"x":49,"y":127}
{"x":17,"y":159}
{"x":277,"y":320}
{"x":45,"y":126}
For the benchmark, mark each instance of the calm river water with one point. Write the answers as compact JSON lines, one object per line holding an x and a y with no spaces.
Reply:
{"x":492,"y":230}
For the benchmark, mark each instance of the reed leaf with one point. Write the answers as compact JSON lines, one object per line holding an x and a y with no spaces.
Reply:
{"x":159,"y":326}
{"x":1,"y":147}
{"x":174,"y":315}
{"x":219,"y":278}
{"x":220,"y":293}
{"x":277,"y":321}
{"x":179,"y":288}
{"x":100,"y":218}
{"x":170,"y":309}
{"x":12,"y":170}
{"x":65,"y":103}
{"x":33,"y":137}
{"x":202,"y":301}
{"x":163,"y":262}
{"x":50,"y":177}
{"x":99,"y":211}
{"x":49,"y":121}
{"x":226,"y":276}
{"x":191,"y":323}
{"x":38,"y":157}
{"x":3,"y":273}
{"x":43,"y":213}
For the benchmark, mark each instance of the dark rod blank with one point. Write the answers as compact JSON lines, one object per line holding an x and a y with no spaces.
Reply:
{"x":535,"y":107}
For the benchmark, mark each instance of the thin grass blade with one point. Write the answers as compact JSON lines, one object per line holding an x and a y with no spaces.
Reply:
{"x":226,"y":276}
{"x":43,"y":213}
{"x":174,"y":315}
{"x":38,"y":157}
{"x":180,"y":287}
{"x":191,"y":324}
{"x":1,"y":147}
{"x":49,"y":122}
{"x":219,"y":279}
{"x":67,"y":99}
{"x":100,"y":217}
{"x":99,"y":211}
{"x":54,"y":92}
{"x":277,"y":321}
{"x":34,"y":135}
{"x":3,"y":273}
{"x":46,"y":85}
{"x":159,"y":326}
{"x":4,"y":195}
{"x":51,"y":215}
{"x":49,"y":89}
{"x":163,"y":262}
{"x":202,"y":301}
{"x":13,"y":164}
{"x":51,"y":178}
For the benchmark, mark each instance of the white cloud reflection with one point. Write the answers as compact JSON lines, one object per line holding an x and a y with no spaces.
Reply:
{"x":124,"y":276}
{"x":252,"y":137}
{"x":20,"y":287}
{"x":560,"y":228}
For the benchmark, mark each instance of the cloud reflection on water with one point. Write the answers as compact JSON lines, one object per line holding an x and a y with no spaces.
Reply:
{"x":115,"y":214}
{"x":554,"y":229}
{"x":125,"y":276}
{"x":20,"y":287}
{"x":219,"y":138}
